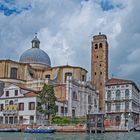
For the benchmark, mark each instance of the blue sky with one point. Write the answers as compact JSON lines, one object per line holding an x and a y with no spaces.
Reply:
{"x":66,"y":27}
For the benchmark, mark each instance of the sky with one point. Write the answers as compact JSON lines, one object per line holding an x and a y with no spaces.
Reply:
{"x":66,"y":28}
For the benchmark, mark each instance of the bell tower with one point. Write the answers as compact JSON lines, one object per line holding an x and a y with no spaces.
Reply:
{"x":99,"y":66}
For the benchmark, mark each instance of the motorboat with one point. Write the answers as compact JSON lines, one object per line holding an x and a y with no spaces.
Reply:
{"x":40,"y":130}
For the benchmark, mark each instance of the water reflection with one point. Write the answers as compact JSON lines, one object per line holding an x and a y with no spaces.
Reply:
{"x":71,"y":136}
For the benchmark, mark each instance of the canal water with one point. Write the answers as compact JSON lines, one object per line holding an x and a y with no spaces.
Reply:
{"x":71,"y":136}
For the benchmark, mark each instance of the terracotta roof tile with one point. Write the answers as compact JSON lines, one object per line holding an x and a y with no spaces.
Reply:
{"x":118,"y":81}
{"x":30,"y":94}
{"x":114,"y":81}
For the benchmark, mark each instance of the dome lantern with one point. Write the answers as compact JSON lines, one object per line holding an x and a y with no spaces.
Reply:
{"x":35,"y":55}
{"x":35,"y":42}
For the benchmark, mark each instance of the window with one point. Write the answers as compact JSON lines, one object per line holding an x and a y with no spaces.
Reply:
{"x":31,"y":105}
{"x":108,"y":94}
{"x":89,"y":99}
{"x":96,"y":56}
{"x":21,"y":106}
{"x":95,"y":73}
{"x":20,"y":119}
{"x":11,"y":102}
{"x":126,"y":93}
{"x":13,"y":74}
{"x":31,"y":119}
{"x":126,"y":106}
{"x":47,"y":76}
{"x":62,"y":109}
{"x":118,"y":94}
{"x":74,"y":95}
{"x":108,"y":107}
{"x":1,"y":120}
{"x":1,"y":107}
{"x":66,"y":110}
{"x":95,"y":103}
{"x":100,"y":45}
{"x":96,"y":46}
{"x":100,"y":73}
{"x":67,"y":74}
{"x":83,"y":78}
{"x":118,"y":106}
{"x":16,"y":92}
{"x":7,"y":93}
{"x":100,"y":65}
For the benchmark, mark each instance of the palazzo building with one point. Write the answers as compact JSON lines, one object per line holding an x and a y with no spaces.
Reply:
{"x":122,"y":102}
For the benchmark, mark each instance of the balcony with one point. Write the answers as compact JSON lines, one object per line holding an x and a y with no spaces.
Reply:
{"x":9,"y":112}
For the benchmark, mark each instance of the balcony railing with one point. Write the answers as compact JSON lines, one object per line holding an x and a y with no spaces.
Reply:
{"x":9,"y":112}
{"x":117,"y":98}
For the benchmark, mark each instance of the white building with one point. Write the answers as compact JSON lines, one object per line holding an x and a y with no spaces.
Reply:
{"x":82,"y":98}
{"x":122,"y":101}
{"x":18,"y":104}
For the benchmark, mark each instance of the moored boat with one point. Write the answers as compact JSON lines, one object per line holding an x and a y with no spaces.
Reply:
{"x":39,"y":130}
{"x":10,"y":130}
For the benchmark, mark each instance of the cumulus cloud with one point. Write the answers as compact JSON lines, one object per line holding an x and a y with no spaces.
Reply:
{"x":65,"y":29}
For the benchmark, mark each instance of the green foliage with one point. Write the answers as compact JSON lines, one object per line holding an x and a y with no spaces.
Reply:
{"x":65,"y":120}
{"x":47,"y":101}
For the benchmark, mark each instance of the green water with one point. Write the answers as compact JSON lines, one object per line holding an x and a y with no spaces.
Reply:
{"x":71,"y":136}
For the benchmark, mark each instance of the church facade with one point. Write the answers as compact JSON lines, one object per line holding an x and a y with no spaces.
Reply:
{"x":34,"y":69}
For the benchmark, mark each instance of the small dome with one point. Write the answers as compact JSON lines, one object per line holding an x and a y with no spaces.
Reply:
{"x":35,"y":55}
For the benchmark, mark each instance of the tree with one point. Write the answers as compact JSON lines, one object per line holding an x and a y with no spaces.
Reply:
{"x":47,"y":104}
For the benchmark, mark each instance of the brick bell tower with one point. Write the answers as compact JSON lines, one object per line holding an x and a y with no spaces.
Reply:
{"x":99,"y":66}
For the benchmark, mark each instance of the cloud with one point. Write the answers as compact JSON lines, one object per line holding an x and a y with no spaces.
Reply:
{"x":65,"y":29}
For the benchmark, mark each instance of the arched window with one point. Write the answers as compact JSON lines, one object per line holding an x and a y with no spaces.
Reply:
{"x":13,"y":73}
{"x":100,"y":45}
{"x":127,"y":93}
{"x":118,"y":94}
{"x":11,"y":102}
{"x":67,"y":74}
{"x":108,"y":94}
{"x":96,"y":46}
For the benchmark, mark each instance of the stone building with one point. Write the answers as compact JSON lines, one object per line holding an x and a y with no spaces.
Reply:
{"x":99,"y":66}
{"x":34,"y":70}
{"x":122,"y":102}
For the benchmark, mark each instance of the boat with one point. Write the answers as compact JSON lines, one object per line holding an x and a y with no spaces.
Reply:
{"x":10,"y":130}
{"x":40,"y":130}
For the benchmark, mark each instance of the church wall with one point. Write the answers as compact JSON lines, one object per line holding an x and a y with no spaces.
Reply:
{"x":60,"y":92}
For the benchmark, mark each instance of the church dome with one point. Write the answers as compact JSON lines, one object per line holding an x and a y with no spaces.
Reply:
{"x":35,"y":55}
